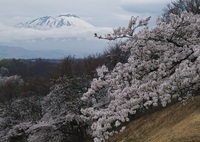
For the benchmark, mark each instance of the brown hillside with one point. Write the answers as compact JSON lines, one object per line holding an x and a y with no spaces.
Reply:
{"x":177,"y":123}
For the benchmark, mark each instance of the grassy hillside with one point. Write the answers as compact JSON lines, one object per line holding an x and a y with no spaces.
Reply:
{"x":177,"y":123}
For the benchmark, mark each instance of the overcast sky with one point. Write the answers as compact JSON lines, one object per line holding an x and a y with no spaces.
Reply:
{"x":105,"y":13}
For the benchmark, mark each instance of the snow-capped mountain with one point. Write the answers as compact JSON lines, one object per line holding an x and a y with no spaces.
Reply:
{"x":50,"y":22}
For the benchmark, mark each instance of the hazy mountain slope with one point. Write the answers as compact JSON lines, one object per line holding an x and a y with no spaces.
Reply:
{"x":7,"y":52}
{"x":177,"y":123}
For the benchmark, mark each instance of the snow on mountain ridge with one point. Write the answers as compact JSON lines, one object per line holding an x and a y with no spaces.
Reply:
{"x":50,"y":22}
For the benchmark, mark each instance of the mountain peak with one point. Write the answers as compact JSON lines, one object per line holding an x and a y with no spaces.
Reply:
{"x":68,"y":15}
{"x":50,"y":22}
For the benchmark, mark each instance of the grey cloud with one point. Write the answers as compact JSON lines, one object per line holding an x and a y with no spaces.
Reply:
{"x":143,"y":6}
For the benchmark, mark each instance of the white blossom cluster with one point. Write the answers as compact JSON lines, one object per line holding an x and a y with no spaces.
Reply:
{"x":43,"y":131}
{"x":123,"y":32}
{"x":51,"y":118}
{"x":12,"y":79}
{"x":164,"y":66}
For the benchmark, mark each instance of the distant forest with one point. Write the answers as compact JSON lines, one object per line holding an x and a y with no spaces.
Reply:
{"x":39,"y":74}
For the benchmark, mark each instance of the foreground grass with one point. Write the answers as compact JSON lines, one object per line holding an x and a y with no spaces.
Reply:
{"x":177,"y":123}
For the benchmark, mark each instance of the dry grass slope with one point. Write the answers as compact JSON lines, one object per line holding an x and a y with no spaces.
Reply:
{"x":177,"y":123}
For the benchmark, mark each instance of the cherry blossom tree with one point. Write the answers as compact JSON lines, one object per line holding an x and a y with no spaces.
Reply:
{"x":54,"y":117}
{"x":179,"y":6}
{"x":163,"y":66}
{"x":62,"y":106}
